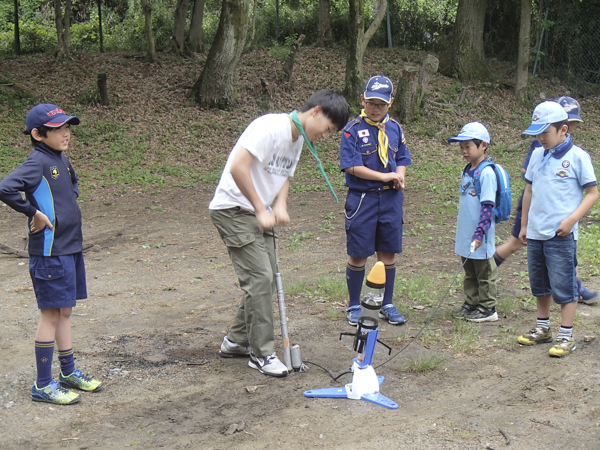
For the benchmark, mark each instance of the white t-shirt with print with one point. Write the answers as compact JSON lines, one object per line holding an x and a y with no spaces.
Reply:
{"x":269,"y":139}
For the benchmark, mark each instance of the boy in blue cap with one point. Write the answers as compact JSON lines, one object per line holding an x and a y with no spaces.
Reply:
{"x":571,"y":106}
{"x":475,"y":226}
{"x":373,"y":157}
{"x":255,"y":175}
{"x":56,"y":261}
{"x":557,"y":174}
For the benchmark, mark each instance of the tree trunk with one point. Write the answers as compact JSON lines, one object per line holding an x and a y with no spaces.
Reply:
{"x":194,"y":41}
{"x":147,"y":9}
{"x":103,"y":88}
{"x":324,"y":35}
{"x":214,"y":87}
{"x":288,"y":65}
{"x":467,"y":57}
{"x":63,"y":28}
{"x":181,"y":12}
{"x":358,"y":40}
{"x":253,"y":27}
{"x":524,"y":46}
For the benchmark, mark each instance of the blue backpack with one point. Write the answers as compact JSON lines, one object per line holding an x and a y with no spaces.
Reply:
{"x":503,"y":196}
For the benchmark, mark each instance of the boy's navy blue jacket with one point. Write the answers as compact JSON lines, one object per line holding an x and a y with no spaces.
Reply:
{"x":50,"y":185}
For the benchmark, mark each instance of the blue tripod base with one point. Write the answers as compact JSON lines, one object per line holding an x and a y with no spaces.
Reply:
{"x":342,"y":392}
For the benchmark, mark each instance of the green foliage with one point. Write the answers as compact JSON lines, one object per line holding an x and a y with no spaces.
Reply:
{"x":424,"y":363}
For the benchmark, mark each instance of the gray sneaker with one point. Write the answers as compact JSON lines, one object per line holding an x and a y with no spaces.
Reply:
{"x":464,"y":310}
{"x":482,"y":314}
{"x":536,"y":335}
{"x":231,"y":349}
{"x":269,"y":365}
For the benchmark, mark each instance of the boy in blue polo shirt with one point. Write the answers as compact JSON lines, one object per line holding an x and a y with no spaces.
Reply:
{"x":475,"y":227}
{"x":571,"y":106}
{"x":373,"y":157}
{"x":557,"y":174}
{"x":55,"y":248}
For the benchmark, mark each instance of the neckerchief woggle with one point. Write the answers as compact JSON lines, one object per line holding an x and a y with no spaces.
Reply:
{"x":382,"y":139}
{"x":551,"y":152}
{"x":294,"y":116}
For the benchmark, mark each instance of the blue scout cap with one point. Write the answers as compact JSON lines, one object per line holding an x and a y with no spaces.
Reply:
{"x":379,"y":87}
{"x":544,"y":115}
{"x":472,"y":130}
{"x":571,"y":106}
{"x":47,"y":115}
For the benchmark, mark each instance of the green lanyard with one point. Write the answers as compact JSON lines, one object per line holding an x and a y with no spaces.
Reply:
{"x":294,"y":116}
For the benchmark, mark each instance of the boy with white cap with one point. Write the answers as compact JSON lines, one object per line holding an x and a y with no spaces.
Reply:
{"x":373,"y":157}
{"x":475,"y":226}
{"x":571,"y":106}
{"x":557,"y":175}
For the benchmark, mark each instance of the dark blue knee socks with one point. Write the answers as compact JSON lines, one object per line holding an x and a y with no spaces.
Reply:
{"x":390,"y":277}
{"x":67,"y":361}
{"x":43,"y":362}
{"x":354,"y":279}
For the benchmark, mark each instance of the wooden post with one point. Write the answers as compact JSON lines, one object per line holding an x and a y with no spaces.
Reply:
{"x":406,"y":95}
{"x":428,"y":69}
{"x":103,"y":89}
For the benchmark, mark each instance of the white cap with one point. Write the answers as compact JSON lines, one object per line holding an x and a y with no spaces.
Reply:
{"x":544,"y":115}
{"x":472,"y":130}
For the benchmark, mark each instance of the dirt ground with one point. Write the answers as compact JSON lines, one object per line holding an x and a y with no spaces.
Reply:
{"x":161,"y":295}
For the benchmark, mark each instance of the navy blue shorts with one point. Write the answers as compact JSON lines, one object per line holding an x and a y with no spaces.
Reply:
{"x":517,"y":225}
{"x":58,"y":281}
{"x":374,"y":222}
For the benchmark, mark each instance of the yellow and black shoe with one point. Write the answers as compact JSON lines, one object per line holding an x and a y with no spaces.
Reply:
{"x":78,"y":380}
{"x":54,"y":393}
{"x":536,"y":336}
{"x":562,"y":347}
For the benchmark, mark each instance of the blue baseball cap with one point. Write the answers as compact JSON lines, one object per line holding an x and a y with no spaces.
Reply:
{"x":379,"y":87}
{"x":571,"y":106}
{"x":472,"y":130}
{"x":544,"y":115}
{"x":47,"y":115}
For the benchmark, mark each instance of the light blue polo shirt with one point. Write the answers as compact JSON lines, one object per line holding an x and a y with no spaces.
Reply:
{"x":469,"y":209}
{"x":557,"y":187}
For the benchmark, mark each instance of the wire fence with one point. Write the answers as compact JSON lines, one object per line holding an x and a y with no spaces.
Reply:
{"x":570,"y":43}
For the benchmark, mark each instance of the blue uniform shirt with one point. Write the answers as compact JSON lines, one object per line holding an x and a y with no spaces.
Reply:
{"x":469,"y":209}
{"x":359,"y":148}
{"x":557,"y":187}
{"x":50,"y":185}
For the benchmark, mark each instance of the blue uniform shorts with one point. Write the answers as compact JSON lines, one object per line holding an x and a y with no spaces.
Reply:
{"x":58,"y":281}
{"x":517,"y":225}
{"x":551,"y":266}
{"x":374,"y":222}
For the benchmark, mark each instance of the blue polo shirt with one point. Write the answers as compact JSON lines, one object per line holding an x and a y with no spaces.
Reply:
{"x":359,"y":148}
{"x":557,"y":187}
{"x":469,"y":209}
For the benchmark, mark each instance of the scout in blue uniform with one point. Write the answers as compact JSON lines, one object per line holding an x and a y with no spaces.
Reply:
{"x":55,"y":248}
{"x":373,"y":157}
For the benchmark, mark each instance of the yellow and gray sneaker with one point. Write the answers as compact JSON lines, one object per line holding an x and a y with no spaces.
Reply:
{"x":562,"y":347}
{"x":54,"y":393}
{"x":78,"y":380}
{"x":536,"y":336}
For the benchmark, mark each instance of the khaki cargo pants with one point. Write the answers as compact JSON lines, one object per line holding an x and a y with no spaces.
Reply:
{"x":253,"y":256}
{"x":480,"y":282}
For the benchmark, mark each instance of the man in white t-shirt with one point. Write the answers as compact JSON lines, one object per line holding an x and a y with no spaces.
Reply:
{"x":255,"y":175}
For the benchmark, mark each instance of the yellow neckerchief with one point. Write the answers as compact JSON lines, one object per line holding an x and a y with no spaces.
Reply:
{"x":382,"y":139}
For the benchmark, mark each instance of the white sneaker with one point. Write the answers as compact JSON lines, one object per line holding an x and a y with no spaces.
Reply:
{"x":231,"y":349}
{"x":269,"y":365}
